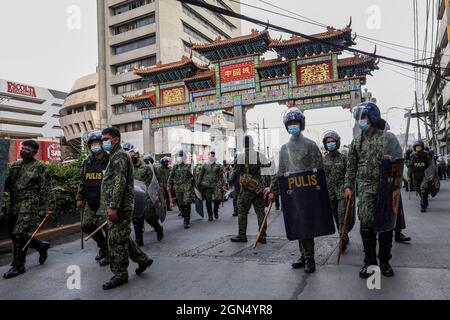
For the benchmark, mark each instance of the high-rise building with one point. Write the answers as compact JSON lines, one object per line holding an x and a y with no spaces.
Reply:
{"x":139,"y":33}
{"x":80,"y":113}
{"x":29,"y":112}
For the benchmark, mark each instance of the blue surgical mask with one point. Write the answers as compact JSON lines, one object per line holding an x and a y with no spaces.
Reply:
{"x":331,"y":146}
{"x":96,"y":149}
{"x":107,"y":145}
{"x":363,"y":124}
{"x":294,"y":129}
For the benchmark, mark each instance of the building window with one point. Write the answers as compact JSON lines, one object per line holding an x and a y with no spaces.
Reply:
{"x":130,"y":5}
{"x":78,"y":127}
{"x":91,"y":126}
{"x":227,"y":24}
{"x":129,"y":67}
{"x":133,"y":86}
{"x":56,"y":127}
{"x":197,"y":35}
{"x":136,"y":24}
{"x":56,"y":116}
{"x":130,"y":127}
{"x":145,"y":42}
{"x":56,"y":105}
{"x":125,"y":108}
{"x":91,"y":107}
{"x":202,"y":21}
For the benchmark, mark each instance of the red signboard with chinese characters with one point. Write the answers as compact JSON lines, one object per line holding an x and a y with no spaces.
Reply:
{"x":237,"y":72}
{"x":173,"y":95}
{"x":315,"y":73}
{"x":21,"y":89}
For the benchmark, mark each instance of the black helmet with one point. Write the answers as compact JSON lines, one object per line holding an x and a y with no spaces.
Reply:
{"x":149,"y":159}
{"x":94,"y":136}
{"x":164,"y":161}
{"x":126,"y":146}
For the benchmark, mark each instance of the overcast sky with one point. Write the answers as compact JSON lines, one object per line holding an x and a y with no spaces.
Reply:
{"x":41,"y":45}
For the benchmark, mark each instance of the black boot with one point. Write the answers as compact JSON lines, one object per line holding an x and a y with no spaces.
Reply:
{"x":239,"y":239}
{"x":100,"y":239}
{"x":114,"y":283}
{"x":209,"y":210}
{"x":105,"y":260}
{"x":157,"y":227}
{"x":369,"y":239}
{"x":18,"y":264}
{"x":310,"y":266}
{"x":400,"y":237}
{"x":300,"y":263}
{"x":138,"y":233}
{"x":216,"y":209}
{"x":101,"y":254}
{"x":187,"y":216}
{"x":42,"y":247}
{"x":142,"y":267}
{"x":384,"y":253}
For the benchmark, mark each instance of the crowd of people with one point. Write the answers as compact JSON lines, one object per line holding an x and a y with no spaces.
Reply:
{"x":107,"y":191}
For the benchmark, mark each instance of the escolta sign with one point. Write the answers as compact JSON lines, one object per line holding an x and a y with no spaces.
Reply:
{"x":22,"y":89}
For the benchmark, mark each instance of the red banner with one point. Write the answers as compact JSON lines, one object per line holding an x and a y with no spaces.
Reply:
{"x":237,"y":72}
{"x":51,"y":151}
{"x":21,"y":89}
{"x":315,"y":73}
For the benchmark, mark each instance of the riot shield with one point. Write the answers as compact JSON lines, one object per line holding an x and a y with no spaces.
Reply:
{"x":4,"y":148}
{"x":199,"y":203}
{"x":306,"y":205}
{"x":156,"y":194}
{"x":432,"y":178}
{"x":140,"y":198}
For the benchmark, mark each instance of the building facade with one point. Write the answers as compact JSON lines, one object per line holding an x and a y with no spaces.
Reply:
{"x":80,"y":113}
{"x":137,"y":34}
{"x":437,"y":89}
{"x":29,"y":112}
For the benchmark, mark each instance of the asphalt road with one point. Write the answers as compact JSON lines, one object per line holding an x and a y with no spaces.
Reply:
{"x":201,"y":263}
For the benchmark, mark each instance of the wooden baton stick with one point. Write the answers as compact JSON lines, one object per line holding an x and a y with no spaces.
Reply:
{"x":96,"y":230}
{"x":262,"y":225}
{"x":36,"y":231}
{"x":344,"y":227}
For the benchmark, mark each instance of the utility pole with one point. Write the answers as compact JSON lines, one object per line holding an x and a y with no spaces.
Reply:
{"x":259,"y":138}
{"x":418,"y":122}
{"x":408,"y":122}
{"x":264,"y":133}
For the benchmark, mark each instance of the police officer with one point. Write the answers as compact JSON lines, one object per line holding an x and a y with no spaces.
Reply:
{"x":28,"y":184}
{"x":144,"y":173}
{"x":248,"y":170}
{"x":88,"y":195}
{"x":148,"y":159}
{"x":419,"y":162}
{"x":162,"y":174}
{"x":117,"y":197}
{"x":181,"y":180}
{"x":299,"y":154}
{"x":210,"y":183}
{"x":335,"y":165}
{"x":363,"y":166}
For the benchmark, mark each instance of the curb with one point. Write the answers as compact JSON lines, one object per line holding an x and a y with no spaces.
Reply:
{"x":5,"y":246}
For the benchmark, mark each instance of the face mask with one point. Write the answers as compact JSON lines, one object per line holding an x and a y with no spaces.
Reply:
{"x":179,"y":160}
{"x":107,"y":145}
{"x":363,"y":124}
{"x":26,"y":155}
{"x":135,"y":160}
{"x":331,"y":146}
{"x":294,"y":129}
{"x":96,"y":149}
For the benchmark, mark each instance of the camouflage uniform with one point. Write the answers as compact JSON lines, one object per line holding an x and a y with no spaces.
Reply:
{"x":182,"y":181}
{"x":210,"y":182}
{"x":29,"y":189}
{"x":249,"y":162}
{"x":91,"y":176}
{"x":335,"y":165}
{"x":143,"y":172}
{"x":417,"y":165}
{"x":363,"y":167}
{"x":299,"y":154}
{"x":117,"y":192}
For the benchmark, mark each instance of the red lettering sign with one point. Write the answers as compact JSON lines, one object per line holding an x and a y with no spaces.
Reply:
{"x":21,"y":89}
{"x":51,"y":151}
{"x":237,"y":72}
